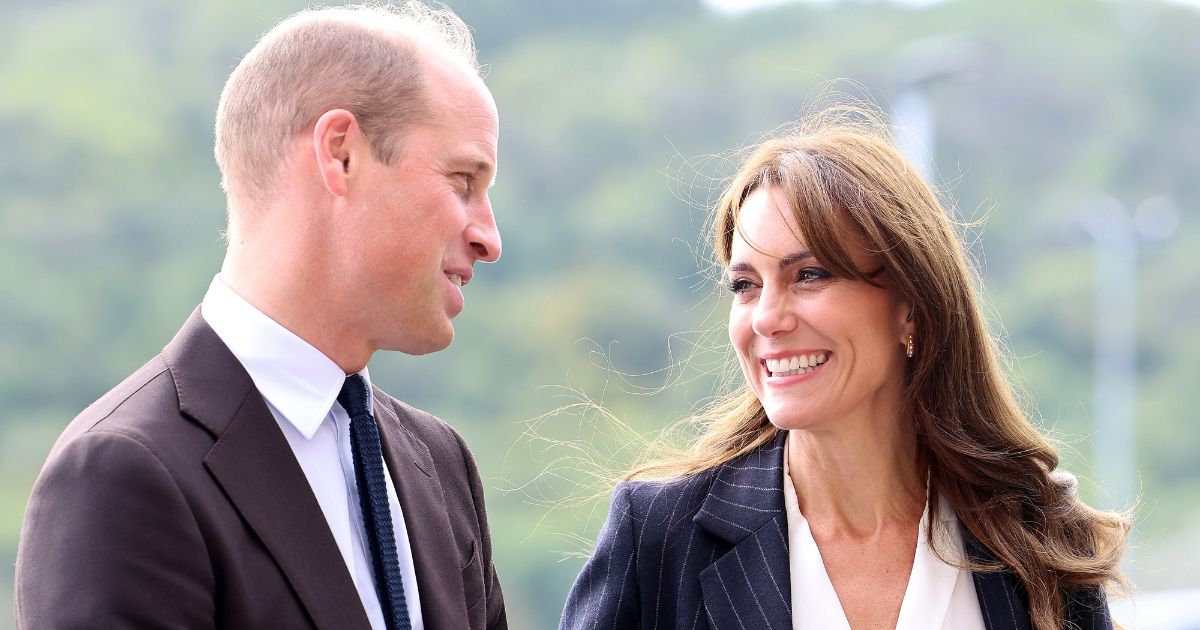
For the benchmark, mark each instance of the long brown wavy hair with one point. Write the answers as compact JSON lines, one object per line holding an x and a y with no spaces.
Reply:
{"x":840,"y":167}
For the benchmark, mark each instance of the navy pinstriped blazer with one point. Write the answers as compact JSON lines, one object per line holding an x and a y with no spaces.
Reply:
{"x":710,"y":551}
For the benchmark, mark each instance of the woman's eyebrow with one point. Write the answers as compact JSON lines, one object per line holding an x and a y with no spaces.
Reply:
{"x":741,"y":267}
{"x":784,"y":262}
{"x":791,"y":259}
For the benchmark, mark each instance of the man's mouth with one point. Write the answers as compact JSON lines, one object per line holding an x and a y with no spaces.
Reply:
{"x":793,"y":365}
{"x":457,"y":279}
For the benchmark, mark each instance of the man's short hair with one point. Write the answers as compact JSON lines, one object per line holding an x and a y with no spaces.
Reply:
{"x":362,"y":58}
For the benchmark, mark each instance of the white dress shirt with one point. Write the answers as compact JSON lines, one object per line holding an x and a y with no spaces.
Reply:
{"x":938,"y":595}
{"x":300,"y":386}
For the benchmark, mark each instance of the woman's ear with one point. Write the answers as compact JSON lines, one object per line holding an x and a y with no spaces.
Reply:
{"x":904,"y":312}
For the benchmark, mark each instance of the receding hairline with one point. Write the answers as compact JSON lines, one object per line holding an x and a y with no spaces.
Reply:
{"x":399,"y":27}
{"x":401,"y":31}
{"x":253,"y":115}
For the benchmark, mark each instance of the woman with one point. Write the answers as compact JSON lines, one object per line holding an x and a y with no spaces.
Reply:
{"x":876,"y":470}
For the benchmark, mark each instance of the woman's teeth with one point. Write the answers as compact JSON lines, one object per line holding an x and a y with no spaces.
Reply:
{"x":800,"y":364}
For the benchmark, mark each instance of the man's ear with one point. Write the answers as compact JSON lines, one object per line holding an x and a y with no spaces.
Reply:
{"x":334,"y":139}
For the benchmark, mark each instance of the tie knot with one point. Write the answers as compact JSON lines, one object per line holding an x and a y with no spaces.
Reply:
{"x":355,"y":396}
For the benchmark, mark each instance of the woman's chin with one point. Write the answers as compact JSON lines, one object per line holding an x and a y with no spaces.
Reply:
{"x":792,"y":422}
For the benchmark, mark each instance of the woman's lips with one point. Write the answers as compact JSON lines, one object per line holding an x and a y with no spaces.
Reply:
{"x":794,"y":364}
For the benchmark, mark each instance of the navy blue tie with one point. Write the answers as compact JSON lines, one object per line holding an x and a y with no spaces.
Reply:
{"x":372,"y":494}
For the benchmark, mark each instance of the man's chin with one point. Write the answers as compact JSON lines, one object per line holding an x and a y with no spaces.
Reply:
{"x":425,"y":344}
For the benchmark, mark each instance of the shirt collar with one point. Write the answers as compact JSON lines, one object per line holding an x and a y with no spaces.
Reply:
{"x":295,"y":378}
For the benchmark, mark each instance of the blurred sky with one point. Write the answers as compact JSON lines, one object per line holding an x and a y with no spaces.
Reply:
{"x":740,"y":6}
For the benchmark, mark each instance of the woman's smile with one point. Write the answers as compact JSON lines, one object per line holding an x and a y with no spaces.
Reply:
{"x":785,"y":364}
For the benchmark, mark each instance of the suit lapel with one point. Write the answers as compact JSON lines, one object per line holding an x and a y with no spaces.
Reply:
{"x":749,"y":586}
{"x":443,"y":601}
{"x":1000,"y":600}
{"x":252,"y":462}
{"x":743,"y":588}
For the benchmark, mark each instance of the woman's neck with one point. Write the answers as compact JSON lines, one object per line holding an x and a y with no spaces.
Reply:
{"x":859,"y":480}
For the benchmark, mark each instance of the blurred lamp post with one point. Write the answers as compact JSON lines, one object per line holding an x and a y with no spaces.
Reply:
{"x":1116,"y":233}
{"x":921,"y":64}
{"x":913,"y":118}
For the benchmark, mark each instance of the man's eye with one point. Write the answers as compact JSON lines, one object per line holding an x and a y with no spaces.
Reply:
{"x":467,"y":180}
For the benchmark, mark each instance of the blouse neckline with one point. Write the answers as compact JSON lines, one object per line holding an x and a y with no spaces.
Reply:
{"x":938,"y":595}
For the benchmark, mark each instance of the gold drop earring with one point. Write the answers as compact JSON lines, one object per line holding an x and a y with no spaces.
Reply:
{"x":908,"y":347}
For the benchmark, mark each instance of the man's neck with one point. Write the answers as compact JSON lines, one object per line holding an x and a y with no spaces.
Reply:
{"x":288,"y":300}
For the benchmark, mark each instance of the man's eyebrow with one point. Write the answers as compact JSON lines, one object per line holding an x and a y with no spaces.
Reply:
{"x":473,"y":164}
{"x":478,"y":166}
{"x":784,"y":262}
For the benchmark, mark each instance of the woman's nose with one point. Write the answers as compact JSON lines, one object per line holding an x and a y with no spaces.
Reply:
{"x":774,"y":315}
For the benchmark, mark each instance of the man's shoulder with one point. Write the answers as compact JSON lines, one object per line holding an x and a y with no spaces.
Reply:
{"x":430,"y":429}
{"x":429,"y":436}
{"x":419,"y":418}
{"x":144,"y":407}
{"x":146,"y":392}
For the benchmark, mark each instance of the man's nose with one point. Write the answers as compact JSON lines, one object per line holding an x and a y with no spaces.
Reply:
{"x":483,"y":235}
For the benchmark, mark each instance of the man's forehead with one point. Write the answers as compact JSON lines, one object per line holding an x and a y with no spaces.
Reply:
{"x":463,"y":103}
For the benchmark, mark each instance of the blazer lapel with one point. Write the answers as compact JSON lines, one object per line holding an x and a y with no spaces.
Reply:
{"x":749,"y":586}
{"x":999,"y":593}
{"x":443,"y":601}
{"x":252,"y":462}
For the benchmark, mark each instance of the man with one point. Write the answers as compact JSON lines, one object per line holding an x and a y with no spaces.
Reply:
{"x":235,"y":481}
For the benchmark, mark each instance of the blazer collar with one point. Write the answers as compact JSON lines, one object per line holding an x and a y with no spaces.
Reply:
{"x":749,"y":586}
{"x":443,"y":598}
{"x":252,"y":462}
{"x":1001,"y":597}
{"x":746,"y":493}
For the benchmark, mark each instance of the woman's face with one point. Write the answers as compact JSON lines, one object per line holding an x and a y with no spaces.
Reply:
{"x":817,"y":350}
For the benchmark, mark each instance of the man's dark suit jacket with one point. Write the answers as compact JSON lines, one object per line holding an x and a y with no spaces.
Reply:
{"x":175,"y":501}
{"x":710,"y":551}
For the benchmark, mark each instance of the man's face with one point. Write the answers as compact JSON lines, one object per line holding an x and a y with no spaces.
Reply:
{"x":426,"y":218}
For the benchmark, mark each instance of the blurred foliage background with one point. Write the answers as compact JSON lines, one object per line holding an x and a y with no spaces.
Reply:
{"x":110,"y":220}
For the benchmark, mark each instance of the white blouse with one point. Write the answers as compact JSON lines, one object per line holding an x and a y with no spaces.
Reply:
{"x":938,"y":595}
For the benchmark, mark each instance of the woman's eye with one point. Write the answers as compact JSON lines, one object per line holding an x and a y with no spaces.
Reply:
{"x":812,"y":274}
{"x":740,"y":286}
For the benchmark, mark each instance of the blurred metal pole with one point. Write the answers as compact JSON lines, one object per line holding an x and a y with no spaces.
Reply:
{"x":1115,"y":357}
{"x":1116,"y":233}
{"x":919,"y":65}
{"x":915,"y":125}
